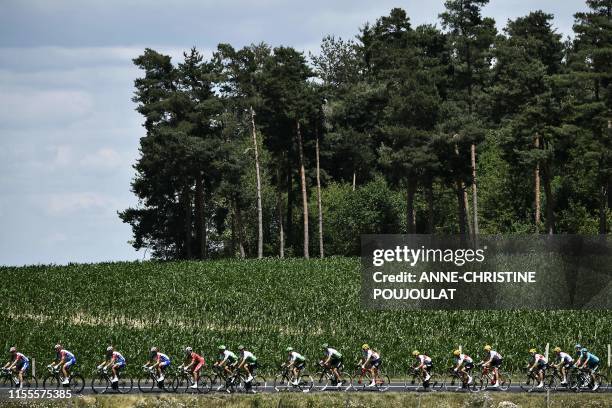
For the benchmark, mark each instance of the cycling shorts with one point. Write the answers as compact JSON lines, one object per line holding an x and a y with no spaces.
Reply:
{"x":468,"y":366}
{"x":164,"y":364}
{"x":593,"y":366}
{"x":335,"y":362}
{"x":299,"y":365}
{"x":119,"y":364}
{"x":252,"y":367}
{"x":199,"y":366}
{"x":496,"y":362}
{"x":70,"y":363}
{"x":376,"y":363}
{"x":22,"y":365}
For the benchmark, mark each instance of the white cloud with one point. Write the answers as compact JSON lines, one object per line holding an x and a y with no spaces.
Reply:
{"x":69,"y":203}
{"x":106,"y":158}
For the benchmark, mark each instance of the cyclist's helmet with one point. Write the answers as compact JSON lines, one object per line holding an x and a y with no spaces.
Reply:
{"x":456,"y":352}
{"x":188,"y":350}
{"x":221,"y":347}
{"x":289,"y":349}
{"x":415,"y":353}
{"x":109,"y":348}
{"x":365,"y":347}
{"x":557,"y":349}
{"x":584,"y":350}
{"x":532,"y":351}
{"x":58,"y":347}
{"x":487,"y":348}
{"x":154,"y":349}
{"x":324,"y":345}
{"x":578,"y":346}
{"x":240,"y":347}
{"x":13,"y":349}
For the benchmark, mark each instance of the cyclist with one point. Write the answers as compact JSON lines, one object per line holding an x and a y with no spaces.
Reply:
{"x":64,"y":359}
{"x":563,"y":362}
{"x":159,"y":362}
{"x":370,"y":360}
{"x":424,"y":365}
{"x":296,"y":363}
{"x":577,"y":353}
{"x":18,"y":363}
{"x":115,"y":361}
{"x":494,"y":360}
{"x":195,"y":363}
{"x":537,"y":362}
{"x":591,"y":362}
{"x":248,"y":362}
{"x":333,"y":360}
{"x":463,"y":365}
{"x":226,"y":359}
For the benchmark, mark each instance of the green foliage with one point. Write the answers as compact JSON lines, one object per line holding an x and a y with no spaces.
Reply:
{"x":265,"y":304}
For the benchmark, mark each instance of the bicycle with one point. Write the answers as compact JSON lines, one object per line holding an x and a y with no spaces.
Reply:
{"x":414,"y":381}
{"x":555,"y":378}
{"x":283,"y":381}
{"x":184,"y":381}
{"x":458,"y":383}
{"x":532,"y":381}
{"x":101,"y":382}
{"x":53,"y":379}
{"x":149,"y":381}
{"x":10,"y":379}
{"x":236,"y":382}
{"x":580,"y":380}
{"x":326,"y":378}
{"x":486,"y":379}
{"x":363,"y":378}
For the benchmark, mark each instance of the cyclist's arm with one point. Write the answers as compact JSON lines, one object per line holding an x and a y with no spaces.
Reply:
{"x":367,"y":360}
{"x":290,"y":363}
{"x":327,"y":360}
{"x":242,"y":363}
{"x":187,"y":367}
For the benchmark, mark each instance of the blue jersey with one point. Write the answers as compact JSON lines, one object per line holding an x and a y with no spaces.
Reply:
{"x":591,"y":358}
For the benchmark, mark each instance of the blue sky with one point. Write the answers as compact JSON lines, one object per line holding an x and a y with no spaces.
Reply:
{"x":68,"y":130}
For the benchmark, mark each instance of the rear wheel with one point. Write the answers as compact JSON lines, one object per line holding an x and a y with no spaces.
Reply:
{"x":125,"y":385}
{"x":306,"y":383}
{"x":218,"y":383}
{"x":529,"y":383}
{"x":146,"y":384}
{"x":383,"y":382}
{"x":281,"y":383}
{"x":412,"y":382}
{"x":77,"y":383}
{"x":51,"y":382}
{"x":322,"y":381}
{"x":180,"y":384}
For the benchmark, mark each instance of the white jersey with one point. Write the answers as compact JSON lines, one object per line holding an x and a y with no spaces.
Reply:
{"x":564,"y":357}
{"x":423,"y":359}
{"x":295,"y":356}
{"x":539,"y":357}
{"x":464,"y":358}
{"x":372,"y":355}
{"x":494,"y":355}
{"x":332,"y":352}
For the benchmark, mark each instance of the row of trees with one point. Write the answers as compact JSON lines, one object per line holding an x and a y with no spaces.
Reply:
{"x":404,"y":129}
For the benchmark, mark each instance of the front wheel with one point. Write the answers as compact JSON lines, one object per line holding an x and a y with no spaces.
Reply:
{"x":77,"y":383}
{"x":125,"y":385}
{"x":529,"y":384}
{"x":99,"y":385}
{"x":257,"y":385}
{"x":146,"y":384}
{"x":322,"y":380}
{"x":383,"y":382}
{"x":51,"y":382}
{"x":281,"y":383}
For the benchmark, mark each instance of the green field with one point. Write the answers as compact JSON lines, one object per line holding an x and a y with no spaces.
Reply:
{"x":266,"y":305}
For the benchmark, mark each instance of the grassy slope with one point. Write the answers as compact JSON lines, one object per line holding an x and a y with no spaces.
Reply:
{"x":266,"y":305}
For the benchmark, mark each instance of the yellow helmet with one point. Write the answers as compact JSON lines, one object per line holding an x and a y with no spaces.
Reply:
{"x":365,"y":346}
{"x":456,"y":352}
{"x":415,"y":353}
{"x":532,"y":351}
{"x":487,"y":348}
{"x":557,"y":349}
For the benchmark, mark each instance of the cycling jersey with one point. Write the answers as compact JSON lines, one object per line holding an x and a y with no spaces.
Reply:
{"x":249,"y":357}
{"x":196,"y":358}
{"x":228,"y":356}
{"x":118,"y":357}
{"x":21,"y":357}
{"x":69,"y":358}
{"x":463,"y":358}
{"x":539,"y":359}
{"x":591,"y":359}
{"x":296,"y":357}
{"x":564,"y":358}
{"x":333,"y":353}
{"x":162,"y":359}
{"x":423,"y":359}
{"x":371,"y":355}
{"x":21,"y":361}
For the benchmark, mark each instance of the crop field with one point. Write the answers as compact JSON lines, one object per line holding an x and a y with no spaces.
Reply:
{"x":266,"y":305}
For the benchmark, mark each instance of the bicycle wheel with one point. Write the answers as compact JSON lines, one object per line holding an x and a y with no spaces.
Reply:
{"x":168,"y":383}
{"x":258,"y":384}
{"x":383,"y":382}
{"x":205,"y":384}
{"x":146,"y":384}
{"x":551,"y":382}
{"x":361,"y":381}
{"x":30,"y":382}
{"x":218,"y":383}
{"x":346,"y":381}
{"x":281,"y":383}
{"x":306,"y":383}
{"x":6,"y":382}
{"x":322,"y":381}
{"x":601,"y":383}
{"x":51,"y":382}
{"x":180,"y":384}
{"x":125,"y":385}
{"x":529,"y":383}
{"x":436,"y":383}
{"x":99,"y":385}
{"x":77,"y":383}
{"x":412,"y":382}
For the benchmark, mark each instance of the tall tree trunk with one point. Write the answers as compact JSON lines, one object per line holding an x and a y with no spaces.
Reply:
{"x":188,"y":221}
{"x":550,"y":214}
{"x":290,"y":201}
{"x":259,"y":210}
{"x":200,"y":217}
{"x":320,"y":209}
{"x":536,"y":176}
{"x":461,"y":214}
{"x":354,"y":179}
{"x":476,"y":230}
{"x":410,"y":192}
{"x":239,"y":226}
{"x":279,"y":205}
{"x":303,"y":185}
{"x":430,"y":206}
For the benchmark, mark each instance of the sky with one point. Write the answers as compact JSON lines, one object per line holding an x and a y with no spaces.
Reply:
{"x":68,"y":130}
